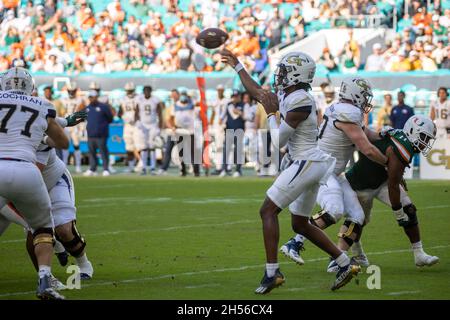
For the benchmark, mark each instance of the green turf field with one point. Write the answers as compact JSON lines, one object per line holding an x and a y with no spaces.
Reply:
{"x":174,"y":238}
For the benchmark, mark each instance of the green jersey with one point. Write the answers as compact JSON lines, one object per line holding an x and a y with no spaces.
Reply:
{"x":366,"y":174}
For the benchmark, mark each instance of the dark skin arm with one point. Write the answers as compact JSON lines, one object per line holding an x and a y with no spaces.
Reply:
{"x":395,"y":170}
{"x":160,"y":108}
{"x":268,"y":99}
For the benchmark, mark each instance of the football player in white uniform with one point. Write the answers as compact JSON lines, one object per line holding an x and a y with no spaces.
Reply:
{"x":127,"y":112}
{"x":251,"y":125}
{"x":148,"y":127}
{"x":341,"y":130}
{"x":218,"y":125}
{"x":297,"y":186}
{"x":72,"y":104}
{"x":62,"y":197}
{"x":440,"y":113}
{"x":24,"y":120}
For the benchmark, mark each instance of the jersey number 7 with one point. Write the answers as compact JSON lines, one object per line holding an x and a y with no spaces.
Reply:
{"x":12,"y":108}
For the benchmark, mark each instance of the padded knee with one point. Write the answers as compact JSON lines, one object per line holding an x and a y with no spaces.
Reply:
{"x":354,"y":229}
{"x":411,"y":212}
{"x":43,"y":235}
{"x":327,"y":218}
{"x":72,"y":244}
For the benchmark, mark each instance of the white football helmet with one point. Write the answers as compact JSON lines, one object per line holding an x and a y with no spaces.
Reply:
{"x":294,"y":68}
{"x":18,"y":79}
{"x":421,"y":132}
{"x":358,"y":91}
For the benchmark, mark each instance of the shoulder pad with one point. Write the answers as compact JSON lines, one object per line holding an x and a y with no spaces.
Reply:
{"x":298,"y":99}
{"x":344,"y":112}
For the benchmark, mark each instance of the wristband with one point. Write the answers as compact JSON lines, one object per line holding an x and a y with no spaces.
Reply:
{"x":238,"y":67}
{"x":45,"y":140}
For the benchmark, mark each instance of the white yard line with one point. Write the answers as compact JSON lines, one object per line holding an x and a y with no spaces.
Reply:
{"x":400,"y":293}
{"x":195,"y":273}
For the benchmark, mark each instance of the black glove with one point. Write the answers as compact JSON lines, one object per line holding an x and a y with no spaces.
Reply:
{"x":75,"y":118}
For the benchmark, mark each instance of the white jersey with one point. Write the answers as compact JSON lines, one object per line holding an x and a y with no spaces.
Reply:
{"x":442,"y":114}
{"x":54,"y":167}
{"x":129,"y":107}
{"x":250,"y":116}
{"x":23,"y":122}
{"x":148,"y":110}
{"x":71,"y":105}
{"x":335,"y":141}
{"x":303,"y":142}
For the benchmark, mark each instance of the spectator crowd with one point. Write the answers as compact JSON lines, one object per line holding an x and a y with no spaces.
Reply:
{"x":73,"y":36}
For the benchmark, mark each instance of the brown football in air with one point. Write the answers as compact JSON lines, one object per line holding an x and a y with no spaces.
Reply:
{"x":211,"y":38}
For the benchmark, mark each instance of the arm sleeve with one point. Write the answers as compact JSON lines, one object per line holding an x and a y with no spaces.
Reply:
{"x":279,"y":134}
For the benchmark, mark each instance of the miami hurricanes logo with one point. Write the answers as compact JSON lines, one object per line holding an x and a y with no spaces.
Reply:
{"x":416,"y":121}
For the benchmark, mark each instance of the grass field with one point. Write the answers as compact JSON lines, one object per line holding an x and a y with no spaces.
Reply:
{"x":174,"y":238}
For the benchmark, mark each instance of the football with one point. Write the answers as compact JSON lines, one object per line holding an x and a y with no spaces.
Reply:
{"x":211,"y":38}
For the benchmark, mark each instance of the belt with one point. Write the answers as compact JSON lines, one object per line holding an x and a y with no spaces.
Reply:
{"x":12,"y":159}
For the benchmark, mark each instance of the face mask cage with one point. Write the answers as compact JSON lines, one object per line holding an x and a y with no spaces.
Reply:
{"x":424,"y":143}
{"x":367,"y":104}
{"x":280,"y":77}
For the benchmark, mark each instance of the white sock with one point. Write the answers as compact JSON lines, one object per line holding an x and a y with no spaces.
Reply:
{"x":300,"y":238}
{"x":271,"y":268}
{"x":152,"y":160}
{"x":417,"y":248}
{"x":343,"y":260}
{"x":77,"y":155}
{"x":144,"y":157}
{"x":58,"y":247}
{"x":82,"y":259}
{"x":44,"y":270}
{"x":357,"y":248}
{"x":131,"y":164}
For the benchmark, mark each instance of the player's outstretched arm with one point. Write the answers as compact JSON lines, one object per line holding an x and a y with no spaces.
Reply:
{"x":371,"y":135}
{"x":359,"y":138}
{"x":57,"y":135}
{"x":268,"y":99}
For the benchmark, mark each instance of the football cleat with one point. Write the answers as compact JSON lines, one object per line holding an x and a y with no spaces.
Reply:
{"x":56,"y":284}
{"x":63,"y":258}
{"x":424,"y":259}
{"x":86,"y":271}
{"x":345,"y":275}
{"x":361,"y":260}
{"x":45,"y":291}
{"x":270,"y":283}
{"x":291,"y":249}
